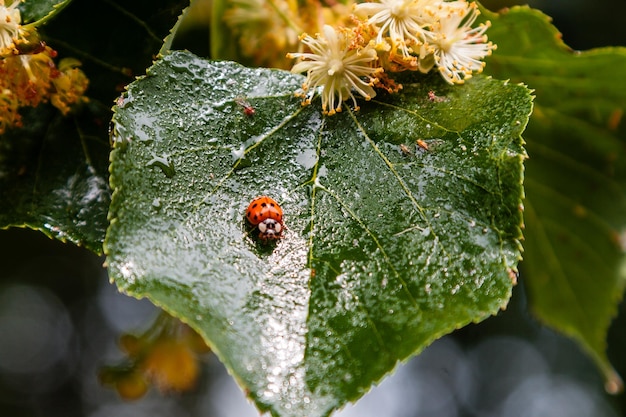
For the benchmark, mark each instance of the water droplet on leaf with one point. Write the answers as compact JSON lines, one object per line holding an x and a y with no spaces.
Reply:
{"x":164,"y":163}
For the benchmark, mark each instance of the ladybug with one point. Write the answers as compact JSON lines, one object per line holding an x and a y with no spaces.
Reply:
{"x":265,"y":213}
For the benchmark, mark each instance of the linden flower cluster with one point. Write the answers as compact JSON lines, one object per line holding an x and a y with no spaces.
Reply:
{"x":262,"y":30}
{"x":268,"y":28}
{"x":166,"y":356}
{"x":28,"y":74}
{"x":391,"y":36}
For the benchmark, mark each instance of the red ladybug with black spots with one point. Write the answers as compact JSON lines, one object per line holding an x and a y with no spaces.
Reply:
{"x":267,"y":215}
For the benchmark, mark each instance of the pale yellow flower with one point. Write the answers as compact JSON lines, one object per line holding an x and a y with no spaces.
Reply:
{"x":402,"y":24}
{"x":336,"y":66}
{"x":69,"y":86}
{"x":10,"y":21}
{"x":458,"y":48}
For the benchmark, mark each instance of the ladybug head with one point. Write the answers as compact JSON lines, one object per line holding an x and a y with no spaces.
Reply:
{"x":270,"y":229}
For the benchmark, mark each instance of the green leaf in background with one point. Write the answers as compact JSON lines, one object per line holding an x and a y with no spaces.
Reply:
{"x":575,"y":236}
{"x":37,"y":12}
{"x":53,"y":177}
{"x":54,"y":171}
{"x":384,"y":251}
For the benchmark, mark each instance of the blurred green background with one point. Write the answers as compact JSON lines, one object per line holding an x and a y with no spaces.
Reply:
{"x":60,"y":320}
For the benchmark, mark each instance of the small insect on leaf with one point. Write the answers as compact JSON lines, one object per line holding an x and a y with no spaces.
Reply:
{"x":30,"y":44}
{"x":266,"y":215}
{"x":434,"y":98}
{"x":422,"y":144}
{"x":248,"y":110}
{"x":405,"y":149}
{"x":26,"y":48}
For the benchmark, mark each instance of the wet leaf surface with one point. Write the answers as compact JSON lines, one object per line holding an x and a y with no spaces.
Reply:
{"x":389,"y":244}
{"x":37,"y":12}
{"x":54,"y":177}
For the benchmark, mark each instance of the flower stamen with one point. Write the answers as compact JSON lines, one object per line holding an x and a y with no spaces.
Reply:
{"x":337,"y":67}
{"x":458,"y":48}
{"x":10,"y":26}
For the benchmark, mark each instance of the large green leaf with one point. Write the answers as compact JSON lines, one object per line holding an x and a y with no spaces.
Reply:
{"x":385,"y":251}
{"x":54,"y":169}
{"x":575,"y":178}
